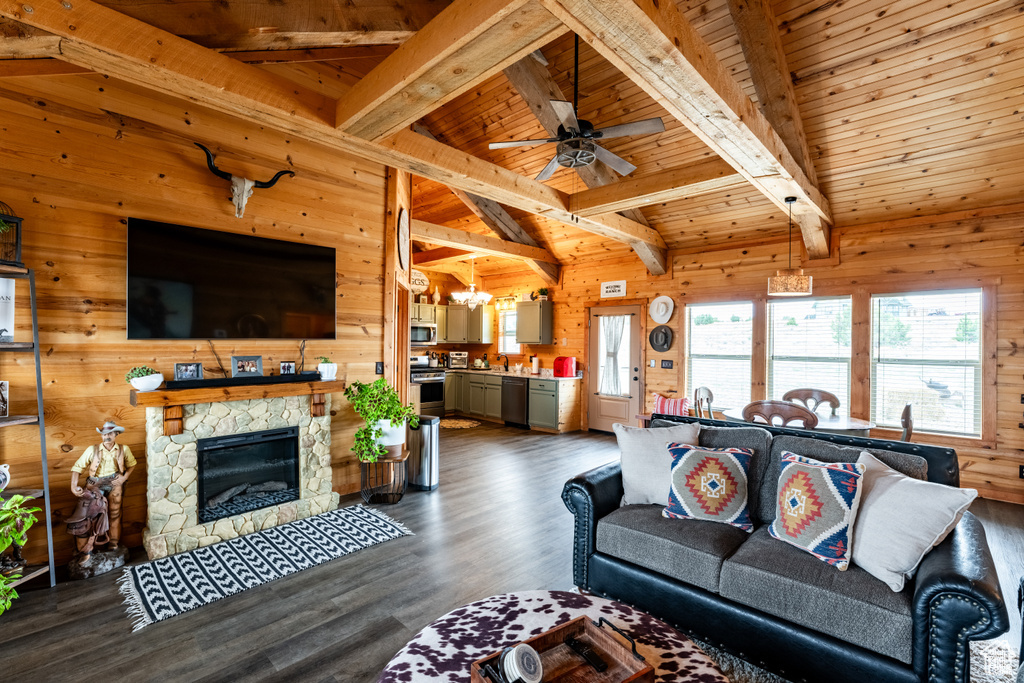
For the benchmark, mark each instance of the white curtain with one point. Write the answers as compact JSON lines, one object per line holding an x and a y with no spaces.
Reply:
{"x":611,"y":329}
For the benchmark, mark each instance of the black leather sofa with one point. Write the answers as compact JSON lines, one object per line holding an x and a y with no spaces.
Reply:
{"x":954,"y":597}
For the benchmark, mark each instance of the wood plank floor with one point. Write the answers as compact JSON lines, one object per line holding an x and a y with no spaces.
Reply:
{"x":496,"y":524}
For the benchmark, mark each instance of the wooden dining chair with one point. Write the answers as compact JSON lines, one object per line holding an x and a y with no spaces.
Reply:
{"x":812,"y":398}
{"x":702,"y":398}
{"x":785,"y":411}
{"x":907,"y":420}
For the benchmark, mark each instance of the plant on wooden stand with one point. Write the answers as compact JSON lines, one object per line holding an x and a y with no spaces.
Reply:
{"x":15,"y":521}
{"x":144,"y":378}
{"x":378,"y":402}
{"x":328,"y":370}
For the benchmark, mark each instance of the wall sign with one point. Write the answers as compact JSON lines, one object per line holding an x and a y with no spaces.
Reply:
{"x":610,"y":290}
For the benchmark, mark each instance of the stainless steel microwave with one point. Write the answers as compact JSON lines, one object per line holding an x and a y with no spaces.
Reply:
{"x":423,"y":334}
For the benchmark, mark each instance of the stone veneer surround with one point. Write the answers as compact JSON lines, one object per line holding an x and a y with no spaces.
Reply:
{"x":172,"y":469}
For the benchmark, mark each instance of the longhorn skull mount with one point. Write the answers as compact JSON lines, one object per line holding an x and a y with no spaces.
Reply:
{"x":241,"y":188}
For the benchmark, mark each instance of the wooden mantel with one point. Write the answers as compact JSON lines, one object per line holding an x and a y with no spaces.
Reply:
{"x":172,"y":400}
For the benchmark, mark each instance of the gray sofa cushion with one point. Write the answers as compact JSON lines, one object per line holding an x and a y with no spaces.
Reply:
{"x":911,"y":465}
{"x":689,"y":550}
{"x":784,"y":581}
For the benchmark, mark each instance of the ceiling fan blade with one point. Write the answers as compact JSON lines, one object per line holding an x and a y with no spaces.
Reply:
{"x":645,"y":127}
{"x":519,"y":143}
{"x":620,"y":165}
{"x":549,"y":169}
{"x":564,"y":111}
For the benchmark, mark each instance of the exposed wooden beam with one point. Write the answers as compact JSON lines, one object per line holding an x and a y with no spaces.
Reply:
{"x":500,"y":222}
{"x":299,"y":40}
{"x":460,"y":271}
{"x":313,"y":54}
{"x":481,"y":244}
{"x":467,"y":42}
{"x":759,"y":37}
{"x":653,"y":44}
{"x":29,"y":47}
{"x":535,"y":84}
{"x":665,"y":186}
{"x":440,"y":255}
{"x":21,"y":68}
{"x":146,"y":56}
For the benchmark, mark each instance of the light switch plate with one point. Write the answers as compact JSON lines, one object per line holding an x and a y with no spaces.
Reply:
{"x":654,"y":363}
{"x":379,"y":368}
{"x":666,"y":365}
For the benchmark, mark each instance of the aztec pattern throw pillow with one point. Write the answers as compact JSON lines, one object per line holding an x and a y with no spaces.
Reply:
{"x":817,"y":504}
{"x":709,"y":484}
{"x":671,"y":406}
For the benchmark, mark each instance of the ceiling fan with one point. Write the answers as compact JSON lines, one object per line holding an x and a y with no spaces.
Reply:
{"x":576,"y":146}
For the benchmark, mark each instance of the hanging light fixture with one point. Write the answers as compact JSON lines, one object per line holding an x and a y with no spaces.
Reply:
{"x":472,"y":298}
{"x":790,"y":281}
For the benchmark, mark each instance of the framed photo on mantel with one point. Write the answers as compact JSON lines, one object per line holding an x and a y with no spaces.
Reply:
{"x":246,"y":366}
{"x":6,"y":310}
{"x":188,"y":371}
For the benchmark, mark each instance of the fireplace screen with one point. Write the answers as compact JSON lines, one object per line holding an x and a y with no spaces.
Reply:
{"x":245,"y":472}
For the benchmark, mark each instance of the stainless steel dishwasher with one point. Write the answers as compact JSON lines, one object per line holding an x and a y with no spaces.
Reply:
{"x":515,"y":393}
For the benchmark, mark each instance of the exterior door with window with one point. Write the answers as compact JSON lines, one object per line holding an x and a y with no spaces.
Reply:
{"x":614,"y":361}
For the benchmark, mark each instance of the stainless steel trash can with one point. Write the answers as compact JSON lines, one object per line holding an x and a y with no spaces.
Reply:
{"x":423,"y":454}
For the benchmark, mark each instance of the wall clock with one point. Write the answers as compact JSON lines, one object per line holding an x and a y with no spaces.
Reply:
{"x":403,"y":239}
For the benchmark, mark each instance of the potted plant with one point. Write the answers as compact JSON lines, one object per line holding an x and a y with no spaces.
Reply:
{"x":378,"y":403}
{"x":542,"y":293}
{"x":328,"y":370}
{"x":15,"y":521}
{"x":144,"y":378}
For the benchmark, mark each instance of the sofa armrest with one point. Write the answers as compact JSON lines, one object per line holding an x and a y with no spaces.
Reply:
{"x":956,"y":599}
{"x":589,"y":497}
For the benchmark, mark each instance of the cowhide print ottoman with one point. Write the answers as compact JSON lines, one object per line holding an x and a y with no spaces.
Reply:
{"x":445,"y":649}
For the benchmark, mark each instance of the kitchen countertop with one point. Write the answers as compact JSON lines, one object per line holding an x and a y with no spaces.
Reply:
{"x":511,"y":373}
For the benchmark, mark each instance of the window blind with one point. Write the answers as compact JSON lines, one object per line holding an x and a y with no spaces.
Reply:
{"x":926,"y":350}
{"x":719,"y":339}
{"x":507,"y":332}
{"x":809,"y":347}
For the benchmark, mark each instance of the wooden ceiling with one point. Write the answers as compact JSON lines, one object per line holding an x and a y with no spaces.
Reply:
{"x":909,"y":108}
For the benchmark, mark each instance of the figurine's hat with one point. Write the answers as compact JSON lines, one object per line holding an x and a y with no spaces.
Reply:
{"x":109,"y":426}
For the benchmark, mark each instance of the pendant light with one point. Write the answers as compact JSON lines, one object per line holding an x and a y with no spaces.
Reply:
{"x":790,"y":281}
{"x":472,"y":298}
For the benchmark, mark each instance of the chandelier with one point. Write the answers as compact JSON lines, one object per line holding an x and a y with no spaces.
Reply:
{"x":472,"y":298}
{"x":790,"y":281}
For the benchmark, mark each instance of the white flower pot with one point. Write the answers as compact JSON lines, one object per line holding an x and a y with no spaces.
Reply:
{"x":392,"y":436}
{"x":328,"y":371}
{"x":148,"y":383}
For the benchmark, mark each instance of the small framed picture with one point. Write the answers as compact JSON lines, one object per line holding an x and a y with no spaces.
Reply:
{"x":246,"y":366}
{"x":287,"y":367}
{"x":188,"y":371}
{"x":4,"y":387}
{"x":424,"y":299}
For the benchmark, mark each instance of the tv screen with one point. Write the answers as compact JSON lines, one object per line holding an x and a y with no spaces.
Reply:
{"x":190,"y":283}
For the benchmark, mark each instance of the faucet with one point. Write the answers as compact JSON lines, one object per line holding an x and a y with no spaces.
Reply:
{"x":506,"y":360}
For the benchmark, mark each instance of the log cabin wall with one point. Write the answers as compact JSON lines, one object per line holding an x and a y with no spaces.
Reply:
{"x":75,"y":180}
{"x":981,"y":245}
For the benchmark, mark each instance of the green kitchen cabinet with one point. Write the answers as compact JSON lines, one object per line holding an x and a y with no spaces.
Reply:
{"x":451,"y":387}
{"x":457,"y":331}
{"x":477,"y":396}
{"x":543,"y":404}
{"x":534,"y":322}
{"x":441,"y":317}
{"x":492,"y":397}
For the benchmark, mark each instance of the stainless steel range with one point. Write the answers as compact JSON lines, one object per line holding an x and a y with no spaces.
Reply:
{"x":431,"y":383}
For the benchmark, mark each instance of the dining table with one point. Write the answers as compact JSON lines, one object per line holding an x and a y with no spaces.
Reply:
{"x":833,"y":424}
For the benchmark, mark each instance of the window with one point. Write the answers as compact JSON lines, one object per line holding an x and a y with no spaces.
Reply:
{"x":507,"y":332}
{"x":719,"y":338}
{"x":809,"y":347}
{"x":613,"y":354}
{"x":926,"y":350}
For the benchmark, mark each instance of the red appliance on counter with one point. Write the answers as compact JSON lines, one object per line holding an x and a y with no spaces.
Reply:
{"x":565,"y":366}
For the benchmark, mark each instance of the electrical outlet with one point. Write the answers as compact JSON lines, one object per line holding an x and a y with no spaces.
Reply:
{"x":666,"y":365}
{"x":1022,"y":471}
{"x":654,"y":363}
{"x":379,"y":368}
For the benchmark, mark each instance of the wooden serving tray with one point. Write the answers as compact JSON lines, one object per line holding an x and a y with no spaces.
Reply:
{"x":563,"y":665}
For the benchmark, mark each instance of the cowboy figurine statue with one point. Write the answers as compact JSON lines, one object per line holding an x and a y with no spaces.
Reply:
{"x":97,"y":517}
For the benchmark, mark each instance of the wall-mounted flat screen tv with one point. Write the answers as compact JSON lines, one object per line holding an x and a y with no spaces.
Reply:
{"x":191,"y":283}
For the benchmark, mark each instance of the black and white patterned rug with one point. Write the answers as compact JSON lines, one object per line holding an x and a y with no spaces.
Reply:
{"x":169,"y":586}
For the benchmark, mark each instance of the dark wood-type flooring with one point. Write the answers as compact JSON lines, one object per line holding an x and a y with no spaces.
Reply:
{"x":496,"y":524}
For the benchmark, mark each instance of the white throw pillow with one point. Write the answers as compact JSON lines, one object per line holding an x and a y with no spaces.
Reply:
{"x":901,"y":519}
{"x":646,"y":462}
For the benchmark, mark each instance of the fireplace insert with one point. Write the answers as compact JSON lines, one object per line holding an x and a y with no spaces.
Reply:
{"x":245,"y":472}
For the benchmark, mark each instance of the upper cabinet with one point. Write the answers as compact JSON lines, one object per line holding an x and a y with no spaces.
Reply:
{"x":534,"y":322}
{"x":423,"y":313}
{"x":441,"y":318}
{"x":458,"y":325}
{"x":469,"y":327}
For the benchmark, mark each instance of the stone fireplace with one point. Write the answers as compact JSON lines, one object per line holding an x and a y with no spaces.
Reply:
{"x":267,"y":495}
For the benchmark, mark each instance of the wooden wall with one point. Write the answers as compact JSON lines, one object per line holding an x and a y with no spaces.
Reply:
{"x":982,"y":246}
{"x":75,"y":180}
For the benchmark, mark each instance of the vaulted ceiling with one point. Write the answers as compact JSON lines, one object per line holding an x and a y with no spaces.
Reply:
{"x":908,"y":108}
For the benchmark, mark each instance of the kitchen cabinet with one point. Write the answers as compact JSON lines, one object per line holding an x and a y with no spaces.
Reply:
{"x":462,"y":392}
{"x":534,"y":322}
{"x":477,"y":396}
{"x":452,"y":384}
{"x":481,"y":325}
{"x":423,"y":313}
{"x":441,"y":317}
{"x":554,"y":405}
{"x":458,"y":325}
{"x":492,"y":397}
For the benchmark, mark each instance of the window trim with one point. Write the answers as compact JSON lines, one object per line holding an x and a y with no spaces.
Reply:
{"x":756,"y":342}
{"x":501,"y":315}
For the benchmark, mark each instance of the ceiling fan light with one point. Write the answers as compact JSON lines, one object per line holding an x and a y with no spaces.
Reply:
{"x":576,"y":153}
{"x":789,"y":282}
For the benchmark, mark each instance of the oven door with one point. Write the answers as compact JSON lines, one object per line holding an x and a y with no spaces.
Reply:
{"x":431,"y":390}
{"x":423,"y":335}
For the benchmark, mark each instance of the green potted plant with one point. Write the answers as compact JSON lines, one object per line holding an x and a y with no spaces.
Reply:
{"x":542,"y":293}
{"x":385,"y":415}
{"x":15,"y":521}
{"x":144,"y":378}
{"x":328,"y":370}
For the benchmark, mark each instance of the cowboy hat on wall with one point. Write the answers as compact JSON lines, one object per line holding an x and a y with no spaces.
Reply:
{"x":661,"y":309}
